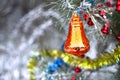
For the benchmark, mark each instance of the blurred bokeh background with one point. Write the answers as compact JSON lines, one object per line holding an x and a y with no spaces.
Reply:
{"x":24,"y":25}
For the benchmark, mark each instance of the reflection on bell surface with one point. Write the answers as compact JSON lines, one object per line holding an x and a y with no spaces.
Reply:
{"x":76,"y":42}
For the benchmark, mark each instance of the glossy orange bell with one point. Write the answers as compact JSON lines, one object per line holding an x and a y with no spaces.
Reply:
{"x":76,"y":42}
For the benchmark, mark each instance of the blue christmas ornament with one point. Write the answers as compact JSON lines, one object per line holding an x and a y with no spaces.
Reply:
{"x":59,"y":62}
{"x":53,"y":66}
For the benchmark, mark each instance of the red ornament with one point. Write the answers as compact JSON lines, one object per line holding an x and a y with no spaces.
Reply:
{"x":99,"y":5}
{"x":118,"y":37}
{"x":102,"y":12}
{"x":77,"y":70}
{"x":76,"y":42}
{"x":73,"y":78}
{"x":104,"y":30}
{"x":86,"y":16}
{"x":117,"y":8}
{"x":118,"y":2}
{"x":90,"y":22}
{"x":118,"y":5}
{"x":109,"y":4}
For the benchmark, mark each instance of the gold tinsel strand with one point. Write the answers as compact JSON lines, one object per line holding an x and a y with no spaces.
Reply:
{"x":105,"y":59}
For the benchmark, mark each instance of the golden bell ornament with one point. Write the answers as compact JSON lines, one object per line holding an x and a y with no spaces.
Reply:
{"x":76,"y":42}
